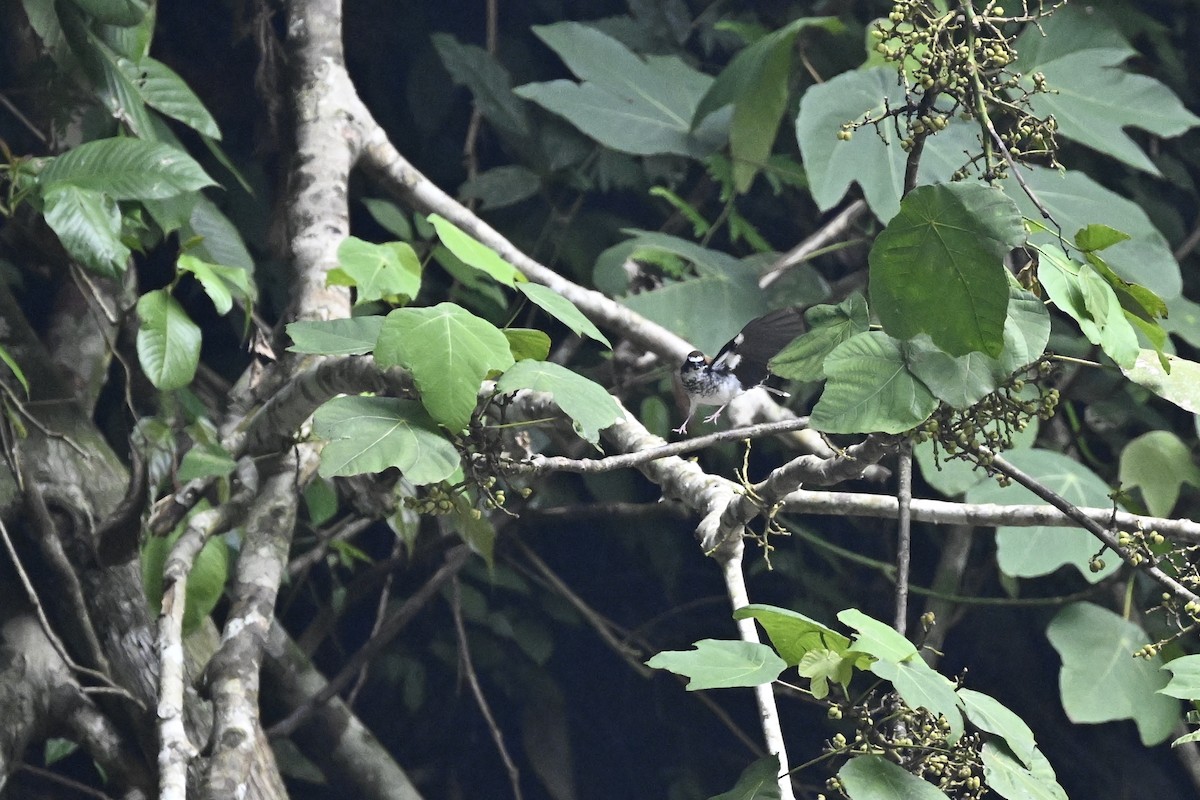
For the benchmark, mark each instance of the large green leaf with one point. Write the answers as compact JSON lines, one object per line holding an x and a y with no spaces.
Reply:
{"x":634,"y":105}
{"x":449,"y":351}
{"x":1012,"y":780}
{"x":989,"y":714}
{"x":870,"y":388}
{"x":335,"y":337}
{"x":898,"y":661}
{"x":126,"y":169}
{"x":1092,"y":100}
{"x":721,"y":664}
{"x":1158,"y":463}
{"x":377,"y":271}
{"x":162,"y":89}
{"x":872,"y":158}
{"x":1100,"y":679}
{"x":1086,"y":296}
{"x":213,"y":237}
{"x":589,"y":406}
{"x":829,"y":326}
{"x":938,"y":267}
{"x":756,"y":83}
{"x":792,"y":633}
{"x":88,"y":224}
{"x":527,"y":343}
{"x":562,"y":310}
{"x":759,"y":781}
{"x":1185,"y":678}
{"x":489,"y":82}
{"x":168,"y":342}
{"x":876,"y":778}
{"x":474,"y":253}
{"x":1039,"y":550}
{"x":370,"y":434}
{"x":1180,"y":386}
{"x":1076,"y":201}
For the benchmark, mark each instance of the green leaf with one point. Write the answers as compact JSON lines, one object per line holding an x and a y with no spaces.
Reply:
{"x":562,"y":310}
{"x":1092,"y":100}
{"x":125,"y":169}
{"x":390,"y":217}
{"x":206,"y":581}
{"x":1185,"y":678}
{"x":1010,"y":779}
{"x":527,"y":343}
{"x":590,"y":407}
{"x":168,"y":342}
{"x":1100,"y":679}
{"x":377,"y":271}
{"x":1098,"y":237}
{"x":488,"y":81}
{"x":1158,"y":463}
{"x":876,"y":778}
{"x":938,"y":267}
{"x":474,"y":253}
{"x":88,"y":224}
{"x":958,"y":381}
{"x":57,"y":749}
{"x":219,"y":281}
{"x":626,"y":103}
{"x":1181,"y":385}
{"x":821,"y":666}
{"x":206,"y":460}
{"x":756,"y":83}
{"x":828,"y":326}
{"x":759,"y":781}
{"x":162,"y":89}
{"x":792,"y":633}
{"x":320,"y":501}
{"x":335,"y":337}
{"x":1039,"y":550}
{"x":1082,"y":293}
{"x":501,"y":187}
{"x":370,"y":434}
{"x":872,"y":158}
{"x":720,"y":664}
{"x":989,"y":714}
{"x":123,"y":13}
{"x":449,"y":351}
{"x":898,"y":661}
{"x":871,"y":389}
{"x":1076,"y":201}
{"x":218,"y":239}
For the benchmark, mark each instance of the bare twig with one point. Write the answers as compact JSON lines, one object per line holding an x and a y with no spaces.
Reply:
{"x":392,"y":626}
{"x":827,"y":233}
{"x":464,"y":652}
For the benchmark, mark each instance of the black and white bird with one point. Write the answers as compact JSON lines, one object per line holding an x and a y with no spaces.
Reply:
{"x":740,"y":365}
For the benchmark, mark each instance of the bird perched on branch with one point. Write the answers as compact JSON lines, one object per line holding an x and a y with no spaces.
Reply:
{"x":740,"y":365}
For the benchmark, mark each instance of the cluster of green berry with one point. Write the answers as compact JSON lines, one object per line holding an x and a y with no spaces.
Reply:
{"x":958,"y":61}
{"x":976,"y":433}
{"x":915,"y":740}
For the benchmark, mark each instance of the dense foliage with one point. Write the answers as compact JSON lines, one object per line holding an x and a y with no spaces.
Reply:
{"x":366,"y":339}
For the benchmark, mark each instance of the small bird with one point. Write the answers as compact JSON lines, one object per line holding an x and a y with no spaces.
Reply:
{"x":740,"y":365}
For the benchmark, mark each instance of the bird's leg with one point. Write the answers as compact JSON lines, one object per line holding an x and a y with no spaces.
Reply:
{"x":682,"y":429}
{"x":713,"y":417}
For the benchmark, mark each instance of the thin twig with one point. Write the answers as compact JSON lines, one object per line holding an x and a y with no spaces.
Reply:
{"x":824,"y":235}
{"x":1102,"y":533}
{"x":385,"y":596}
{"x":464,"y":659}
